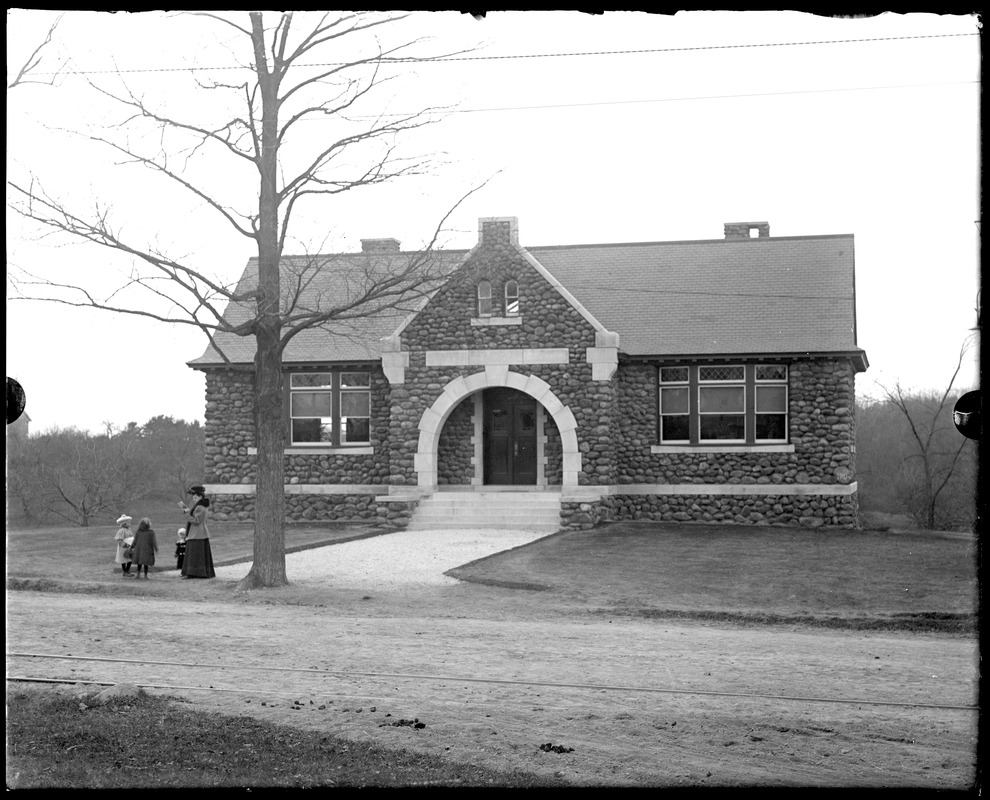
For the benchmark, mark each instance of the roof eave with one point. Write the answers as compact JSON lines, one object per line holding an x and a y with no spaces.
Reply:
{"x":858,"y":356}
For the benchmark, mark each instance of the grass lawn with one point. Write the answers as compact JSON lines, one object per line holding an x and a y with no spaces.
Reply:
{"x":912,"y":580}
{"x":908,"y":580}
{"x":56,"y":741}
{"x":85,"y":554}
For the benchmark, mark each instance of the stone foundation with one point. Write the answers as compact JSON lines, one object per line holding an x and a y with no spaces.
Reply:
{"x":298,"y":507}
{"x":805,"y":511}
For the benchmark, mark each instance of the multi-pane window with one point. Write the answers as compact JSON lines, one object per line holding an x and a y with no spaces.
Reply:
{"x":675,"y":405}
{"x":331,"y":408}
{"x":511,"y":298}
{"x":311,"y":408}
{"x":771,"y":403}
{"x":723,"y":404}
{"x":355,"y":407}
{"x":484,"y":299}
{"x":487,"y":304}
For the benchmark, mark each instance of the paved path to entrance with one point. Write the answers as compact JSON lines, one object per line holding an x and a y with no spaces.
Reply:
{"x":393,"y":559}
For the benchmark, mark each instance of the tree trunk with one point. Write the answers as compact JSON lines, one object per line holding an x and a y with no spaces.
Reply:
{"x":269,"y":508}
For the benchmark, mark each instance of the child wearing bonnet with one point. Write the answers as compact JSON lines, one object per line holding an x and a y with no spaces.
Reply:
{"x":180,"y":548}
{"x":124,"y":540}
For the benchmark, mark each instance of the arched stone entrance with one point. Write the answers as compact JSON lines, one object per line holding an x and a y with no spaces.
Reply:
{"x":433,"y":419}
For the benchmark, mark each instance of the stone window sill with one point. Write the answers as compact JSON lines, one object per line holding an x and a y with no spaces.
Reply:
{"x":493,"y":321}
{"x":724,"y":448}
{"x":322,"y":451}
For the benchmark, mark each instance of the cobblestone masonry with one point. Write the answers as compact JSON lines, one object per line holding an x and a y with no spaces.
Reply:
{"x":822,"y":427}
{"x":455,"y":450}
{"x":547,"y":320}
{"x":821,"y":421}
{"x":616,"y":422}
{"x":822,"y":430}
{"x":230,"y":431}
{"x":298,"y":508}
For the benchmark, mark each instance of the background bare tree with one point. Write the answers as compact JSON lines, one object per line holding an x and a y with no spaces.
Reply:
{"x":74,"y":477}
{"x":67,"y":475}
{"x":174,"y":449}
{"x":296,"y":77}
{"x":30,"y":71}
{"x":910,"y":454}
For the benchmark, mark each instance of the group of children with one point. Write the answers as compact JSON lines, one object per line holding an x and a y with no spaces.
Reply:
{"x":193,"y":556}
{"x":139,"y":548}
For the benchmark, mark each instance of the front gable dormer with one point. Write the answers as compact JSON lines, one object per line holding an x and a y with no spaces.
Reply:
{"x":501,"y":298}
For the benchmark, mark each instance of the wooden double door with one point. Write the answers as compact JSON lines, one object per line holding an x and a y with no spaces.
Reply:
{"x":509,"y":438}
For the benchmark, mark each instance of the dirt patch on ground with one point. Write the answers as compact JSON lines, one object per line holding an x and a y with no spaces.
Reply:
{"x":517,"y":679}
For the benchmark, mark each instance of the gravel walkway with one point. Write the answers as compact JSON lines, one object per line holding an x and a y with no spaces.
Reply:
{"x":393,"y":559}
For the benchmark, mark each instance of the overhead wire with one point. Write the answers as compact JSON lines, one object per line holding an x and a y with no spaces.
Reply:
{"x":520,"y":56}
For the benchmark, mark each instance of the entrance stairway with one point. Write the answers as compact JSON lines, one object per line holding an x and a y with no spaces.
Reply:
{"x":527,"y":511}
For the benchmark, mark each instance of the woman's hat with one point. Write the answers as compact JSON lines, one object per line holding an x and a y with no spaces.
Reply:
{"x":197,"y":490}
{"x":123,"y":518}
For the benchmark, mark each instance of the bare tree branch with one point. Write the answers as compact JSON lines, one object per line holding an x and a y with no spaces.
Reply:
{"x":259,"y":306}
{"x":24,"y":75}
{"x":924,"y":427}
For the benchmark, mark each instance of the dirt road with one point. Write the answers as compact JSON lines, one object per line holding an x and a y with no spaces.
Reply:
{"x":493,"y":674}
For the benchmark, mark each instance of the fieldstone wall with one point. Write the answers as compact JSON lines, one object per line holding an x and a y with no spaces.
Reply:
{"x":396,"y":514}
{"x":455,"y":450}
{"x":821,"y":422}
{"x":822,"y":429}
{"x":584,"y":515}
{"x":547,"y":320}
{"x":298,"y":507}
{"x":616,"y":421}
{"x":230,"y":431}
{"x":809,"y":511}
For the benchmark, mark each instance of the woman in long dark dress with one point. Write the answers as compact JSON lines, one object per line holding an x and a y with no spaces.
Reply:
{"x":198,"y":562}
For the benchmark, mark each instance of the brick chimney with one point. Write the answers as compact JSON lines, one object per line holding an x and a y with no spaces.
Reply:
{"x":380,"y":245}
{"x":747,"y":230}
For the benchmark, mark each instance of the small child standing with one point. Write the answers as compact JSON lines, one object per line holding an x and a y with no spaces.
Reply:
{"x":124,"y":539}
{"x":180,"y":548}
{"x":145,"y":547}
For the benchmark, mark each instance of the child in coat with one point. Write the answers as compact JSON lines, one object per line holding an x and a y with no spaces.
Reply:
{"x":145,"y":546}
{"x":124,"y":539}
{"x":180,"y":548}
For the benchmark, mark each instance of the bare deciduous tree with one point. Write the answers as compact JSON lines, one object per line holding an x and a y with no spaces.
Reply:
{"x":174,"y":448}
{"x":936,"y":445}
{"x":289,"y":86}
{"x":73,"y":476}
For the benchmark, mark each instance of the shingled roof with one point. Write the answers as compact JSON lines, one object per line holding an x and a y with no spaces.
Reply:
{"x":782,"y":295}
{"x":335,"y":282}
{"x":722,"y":297}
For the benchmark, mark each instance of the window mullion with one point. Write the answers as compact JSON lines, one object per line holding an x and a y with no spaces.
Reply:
{"x":335,"y":406}
{"x":694,"y":422}
{"x":656,"y":404}
{"x":750,"y":403}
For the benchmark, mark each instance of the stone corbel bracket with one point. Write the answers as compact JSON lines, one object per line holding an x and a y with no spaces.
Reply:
{"x":394,"y":360}
{"x":604,"y":356}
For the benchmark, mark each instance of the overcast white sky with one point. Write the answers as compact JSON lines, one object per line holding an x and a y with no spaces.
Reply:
{"x":877,"y":137}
